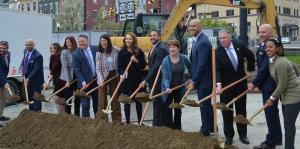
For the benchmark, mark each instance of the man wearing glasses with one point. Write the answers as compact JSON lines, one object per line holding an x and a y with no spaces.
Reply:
{"x":4,"y":68}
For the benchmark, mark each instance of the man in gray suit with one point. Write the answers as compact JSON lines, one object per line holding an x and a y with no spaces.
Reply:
{"x":155,"y":57}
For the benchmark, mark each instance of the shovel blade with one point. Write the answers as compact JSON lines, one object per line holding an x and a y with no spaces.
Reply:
{"x":107,"y":111}
{"x":28,"y":102}
{"x":176,"y":106}
{"x":241,"y":119}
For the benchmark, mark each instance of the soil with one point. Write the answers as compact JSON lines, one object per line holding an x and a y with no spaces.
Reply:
{"x":241,"y":119}
{"x":45,"y":131}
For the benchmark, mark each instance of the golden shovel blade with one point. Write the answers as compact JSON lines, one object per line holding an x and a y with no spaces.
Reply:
{"x":191,"y":103}
{"x":241,"y":119}
{"x":143,"y":97}
{"x":125,"y":99}
{"x":27,"y":102}
{"x":60,"y":101}
{"x":176,"y":106}
{"x":14,"y":98}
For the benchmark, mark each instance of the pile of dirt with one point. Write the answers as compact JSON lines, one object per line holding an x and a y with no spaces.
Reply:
{"x":42,"y":130}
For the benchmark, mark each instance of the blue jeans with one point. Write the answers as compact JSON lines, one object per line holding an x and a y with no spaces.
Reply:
{"x":206,"y":111}
{"x":273,"y":122}
{"x":85,"y":102}
{"x":290,"y":114}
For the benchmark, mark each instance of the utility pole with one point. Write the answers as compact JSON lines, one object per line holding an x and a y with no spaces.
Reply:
{"x":243,"y":26}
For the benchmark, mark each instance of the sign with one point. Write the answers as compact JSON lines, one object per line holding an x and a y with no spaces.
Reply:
{"x":235,"y":2}
{"x":126,"y":9}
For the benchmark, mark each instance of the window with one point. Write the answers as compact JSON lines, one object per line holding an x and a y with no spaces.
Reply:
{"x":215,"y":14}
{"x":248,"y":11}
{"x":279,"y":10}
{"x":56,"y":7}
{"x":297,"y":13}
{"x":95,"y":15}
{"x":28,"y":6}
{"x":230,"y":12}
{"x":46,"y":10}
{"x":51,"y":8}
{"x":286,"y":11}
{"x":34,"y":6}
{"x":249,"y":27}
{"x":22,"y":7}
{"x":41,"y":9}
{"x":294,"y":12}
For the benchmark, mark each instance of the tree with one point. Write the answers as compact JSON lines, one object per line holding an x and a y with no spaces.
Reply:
{"x":70,"y":16}
{"x":210,"y":23}
{"x":105,"y":22}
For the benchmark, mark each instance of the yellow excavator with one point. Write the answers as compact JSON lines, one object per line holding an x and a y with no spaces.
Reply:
{"x":168,"y":24}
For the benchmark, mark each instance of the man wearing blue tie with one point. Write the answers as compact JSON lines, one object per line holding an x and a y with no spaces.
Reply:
{"x":201,"y":69}
{"x":33,"y":73}
{"x":85,"y":70}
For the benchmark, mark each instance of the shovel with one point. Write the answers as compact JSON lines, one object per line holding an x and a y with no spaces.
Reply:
{"x":108,"y":108}
{"x":180,"y":105}
{"x":155,"y":82}
{"x":41,"y":96}
{"x":12,"y":96}
{"x":104,"y":83}
{"x":194,"y":103}
{"x":242,"y":120}
{"x":58,"y":91}
{"x":172,"y":89}
{"x":222,"y":106}
{"x":26,"y":102}
{"x":81,"y":93}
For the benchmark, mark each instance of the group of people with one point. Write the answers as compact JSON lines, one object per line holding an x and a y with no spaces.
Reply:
{"x":92,"y":66}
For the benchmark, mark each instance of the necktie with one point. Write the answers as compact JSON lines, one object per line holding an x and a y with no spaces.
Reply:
{"x":25,"y":64}
{"x":192,"y":49}
{"x":232,"y":58}
{"x":90,"y":60}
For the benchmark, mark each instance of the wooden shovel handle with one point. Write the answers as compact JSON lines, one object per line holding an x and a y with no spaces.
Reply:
{"x":258,"y":111}
{"x":155,"y":81}
{"x":104,"y":83}
{"x":9,"y":90}
{"x":118,"y":86}
{"x":165,"y":92}
{"x":60,"y":89}
{"x":83,"y":88}
{"x":26,"y":92}
{"x":135,"y":92}
{"x":144,"y":113}
{"x":236,"y":98}
{"x":44,"y":89}
{"x":185,"y":94}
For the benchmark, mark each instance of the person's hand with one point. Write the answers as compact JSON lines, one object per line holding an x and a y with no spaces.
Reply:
{"x":251,"y":87}
{"x":45,"y":85}
{"x":142,"y":84}
{"x":122,"y":77}
{"x":7,"y":85}
{"x":67,"y":84}
{"x":168,"y":90}
{"x":191,"y":86}
{"x":84,"y":85}
{"x":134,"y":59}
{"x":219,"y":89}
{"x":101,"y":84}
{"x":269,"y":102}
{"x":251,"y":75}
{"x":50,"y":77}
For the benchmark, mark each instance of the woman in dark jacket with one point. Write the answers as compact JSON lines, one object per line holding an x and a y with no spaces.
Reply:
{"x":130,"y":51}
{"x":173,"y":68}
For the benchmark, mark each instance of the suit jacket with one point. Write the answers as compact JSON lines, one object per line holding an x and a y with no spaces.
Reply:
{"x":35,"y":71}
{"x":4,"y":69}
{"x":81,"y":66}
{"x":226,"y":73}
{"x":201,"y":62}
{"x":66,"y":73}
{"x":154,"y":61}
{"x":263,"y":79}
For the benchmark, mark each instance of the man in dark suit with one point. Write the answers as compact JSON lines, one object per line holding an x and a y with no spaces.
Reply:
{"x":201,"y":69}
{"x":4,"y":68}
{"x":155,"y":57}
{"x":230,"y":58}
{"x":267,"y":85}
{"x":84,"y":66}
{"x":33,"y":73}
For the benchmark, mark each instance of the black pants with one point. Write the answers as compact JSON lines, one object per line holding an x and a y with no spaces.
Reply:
{"x":240,"y":108}
{"x":77,"y":102}
{"x":167,"y":113}
{"x":290,"y":114}
{"x":273,"y":122}
{"x":157,"y":106}
{"x":139,"y":108}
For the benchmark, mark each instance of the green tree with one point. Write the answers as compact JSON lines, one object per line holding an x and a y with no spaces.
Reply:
{"x":70,"y":16}
{"x":105,"y":21}
{"x":215,"y":24}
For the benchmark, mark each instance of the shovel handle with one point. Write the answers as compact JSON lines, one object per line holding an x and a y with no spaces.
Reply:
{"x":144,"y":113}
{"x":236,"y":98}
{"x":235,"y":83}
{"x":118,"y":86}
{"x":155,"y":82}
{"x":165,"y":92}
{"x":104,"y":83}
{"x":185,"y":94}
{"x":9,"y":90}
{"x":258,"y":111}
{"x":26,"y":92}
{"x":135,"y":92}
{"x":60,"y":90}
{"x":88,"y":84}
{"x":44,"y":89}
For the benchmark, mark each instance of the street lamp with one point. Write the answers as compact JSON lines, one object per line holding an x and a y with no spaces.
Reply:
{"x":151,"y":2}
{"x":57,"y":26}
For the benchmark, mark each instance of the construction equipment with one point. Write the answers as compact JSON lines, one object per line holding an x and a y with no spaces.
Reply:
{"x":144,"y":23}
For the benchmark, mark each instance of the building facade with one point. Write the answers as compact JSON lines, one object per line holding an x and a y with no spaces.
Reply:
{"x":48,"y":6}
{"x":288,"y":15}
{"x":24,"y":5}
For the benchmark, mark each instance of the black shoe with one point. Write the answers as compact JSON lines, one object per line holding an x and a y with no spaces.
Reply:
{"x":206,"y":134}
{"x":3,"y":118}
{"x":278,"y":143}
{"x":228,"y":141}
{"x":263,"y":146}
{"x":244,"y":140}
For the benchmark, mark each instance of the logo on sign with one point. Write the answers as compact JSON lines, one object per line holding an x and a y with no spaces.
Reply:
{"x":235,"y":2}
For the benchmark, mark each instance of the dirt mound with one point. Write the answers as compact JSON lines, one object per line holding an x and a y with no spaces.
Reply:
{"x":42,"y":130}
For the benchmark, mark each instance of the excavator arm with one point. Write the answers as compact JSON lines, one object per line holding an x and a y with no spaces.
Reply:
{"x":266,"y":7}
